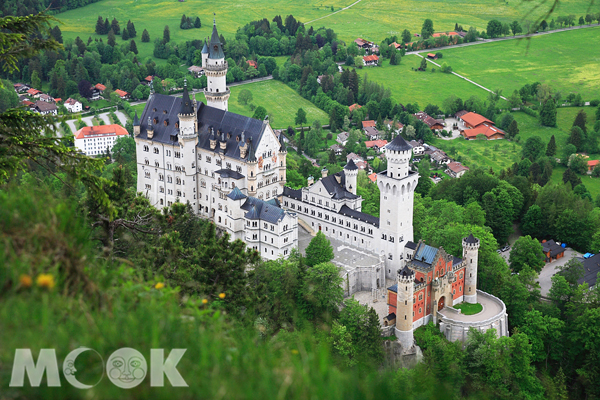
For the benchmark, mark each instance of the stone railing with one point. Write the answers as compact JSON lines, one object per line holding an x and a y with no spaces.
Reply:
{"x":216,"y":67}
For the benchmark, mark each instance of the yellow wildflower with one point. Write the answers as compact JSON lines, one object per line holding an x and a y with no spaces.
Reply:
{"x":159,"y":285}
{"x":294,"y":351}
{"x":25,"y":281}
{"x":45,"y":281}
{"x":221,"y":295}
{"x":204,"y":301}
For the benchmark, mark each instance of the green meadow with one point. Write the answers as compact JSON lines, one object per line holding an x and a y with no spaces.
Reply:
{"x":422,"y":87}
{"x":486,"y":154}
{"x":567,"y":61}
{"x":371,"y":19}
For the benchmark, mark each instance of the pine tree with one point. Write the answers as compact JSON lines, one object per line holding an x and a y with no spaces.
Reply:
{"x":145,"y":36}
{"x":548,"y":113}
{"x":197,"y":23}
{"x":166,"y":34}
{"x":133,"y":47}
{"x":183,"y":24}
{"x":423,"y":66}
{"x":393,"y":57}
{"x":580,"y":121}
{"x":57,"y":34}
{"x":100,"y":26}
{"x":577,"y":137}
{"x":131,"y":29}
{"x":125,"y":35}
{"x":115,"y":26}
{"x":513,"y":129}
{"x":551,"y":149}
{"x":106,"y":26}
{"x":111,"y":38}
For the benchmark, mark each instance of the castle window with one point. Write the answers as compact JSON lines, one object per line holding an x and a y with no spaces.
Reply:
{"x":156,"y":150}
{"x":147,"y":162}
{"x":176,"y":125}
{"x":420,"y":310}
{"x":161,"y":177}
{"x":146,"y":148}
{"x":460,"y":288}
{"x":161,"y":189}
{"x":156,"y":164}
{"x":147,"y":174}
{"x":161,"y":202}
{"x":390,"y":256}
{"x":148,"y":187}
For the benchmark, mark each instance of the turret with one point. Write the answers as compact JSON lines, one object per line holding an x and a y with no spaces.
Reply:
{"x":204,"y":54}
{"x":215,"y":68}
{"x":187,"y":117}
{"x":404,"y":307}
{"x":398,"y":154}
{"x":351,"y":173}
{"x":212,"y":140}
{"x":470,"y":258}
{"x":136,"y":125}
{"x":324,"y":173}
{"x":252,"y":170}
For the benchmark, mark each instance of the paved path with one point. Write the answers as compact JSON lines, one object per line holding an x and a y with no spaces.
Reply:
{"x":491,"y":308}
{"x":335,"y":12}
{"x":104,"y":116}
{"x":550,"y":269}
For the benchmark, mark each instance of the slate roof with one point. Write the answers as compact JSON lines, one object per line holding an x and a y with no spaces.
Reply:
{"x":210,"y":119}
{"x":552,"y":247}
{"x":236,"y":194}
{"x":424,"y":255}
{"x":411,"y":245}
{"x":205,"y":48}
{"x":456,"y":260}
{"x":406,"y":271}
{"x":292,"y":193}
{"x":337,"y":190}
{"x":187,"y":107}
{"x":351,"y":166}
{"x":471,"y":239}
{"x":394,"y":288}
{"x":358,"y":215}
{"x":262,"y":210}
{"x":229,"y":173}
{"x":398,"y":144}
{"x":215,"y":49}
{"x":591,"y":267}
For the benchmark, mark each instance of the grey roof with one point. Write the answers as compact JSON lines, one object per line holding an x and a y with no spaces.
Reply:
{"x":236,"y":194}
{"x":552,"y":247}
{"x":186,"y":104}
{"x":136,"y":120}
{"x":390,"y":316}
{"x":591,"y":267}
{"x":351,"y":165}
{"x":282,"y":142}
{"x":262,"y":210}
{"x":358,"y":215}
{"x":210,"y":120}
{"x":471,"y":239}
{"x":274,"y":202}
{"x":411,"y":245}
{"x":456,"y":260}
{"x":398,"y":144}
{"x":229,"y":173}
{"x":205,"y":48}
{"x":425,"y":253}
{"x":336,"y":189}
{"x":292,"y":193}
{"x":251,"y":152}
{"x":394,"y":288}
{"x":215,"y":50}
{"x":406,"y":271}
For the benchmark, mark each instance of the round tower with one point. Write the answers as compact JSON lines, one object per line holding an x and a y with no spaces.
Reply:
{"x":216,"y":92}
{"x":404,"y":307}
{"x":351,"y":174}
{"x":204,"y":54}
{"x":470,"y":257}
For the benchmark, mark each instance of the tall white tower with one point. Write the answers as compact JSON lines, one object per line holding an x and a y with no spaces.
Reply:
{"x":397,"y":186}
{"x":470,"y":257}
{"x":217,"y":93}
{"x":351,"y":173}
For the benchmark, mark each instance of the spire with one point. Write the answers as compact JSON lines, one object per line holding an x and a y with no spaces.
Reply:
{"x":281,"y":142}
{"x":215,"y":47}
{"x":186,"y":104}
{"x":136,"y":120}
{"x":205,"y":48}
{"x":351,"y":166}
{"x":398,"y":144}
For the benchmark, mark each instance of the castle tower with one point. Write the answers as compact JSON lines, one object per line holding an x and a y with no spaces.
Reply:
{"x":204,"y":54}
{"x":217,"y":93}
{"x":136,"y":125}
{"x":404,"y":307}
{"x":351,"y":173}
{"x":187,"y":118}
{"x":470,"y":257}
{"x":397,"y":186}
{"x":252,"y":170}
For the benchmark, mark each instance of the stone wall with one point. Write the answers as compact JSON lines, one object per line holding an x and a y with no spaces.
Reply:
{"x":364,"y":279}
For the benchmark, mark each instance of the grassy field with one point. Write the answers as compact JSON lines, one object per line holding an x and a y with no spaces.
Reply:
{"x":495,"y":154}
{"x":409,"y":86}
{"x":371,"y":19}
{"x":567,"y":61}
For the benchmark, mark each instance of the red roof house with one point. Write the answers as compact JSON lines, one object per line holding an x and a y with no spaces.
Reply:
{"x":480,"y":125}
{"x":354,"y":106}
{"x":368,"y":124}
{"x":371,"y":60}
{"x":100,"y":87}
{"x":252,"y":63}
{"x":373,"y":177}
{"x":592,"y":164}
{"x":122,"y":94}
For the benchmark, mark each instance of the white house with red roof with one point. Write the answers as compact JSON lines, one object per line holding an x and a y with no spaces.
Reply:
{"x":73,"y":105}
{"x":95,"y":140}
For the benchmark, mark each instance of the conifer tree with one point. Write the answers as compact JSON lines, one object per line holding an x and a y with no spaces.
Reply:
{"x":197,"y":23}
{"x":548,"y":113}
{"x":115,"y":26}
{"x":106,"y":26}
{"x":131,"y":29}
{"x":57,"y":34}
{"x":166,"y":34}
{"x":576,"y":138}
{"x":125,"y":34}
{"x":513,"y":129}
{"x":133,"y":47}
{"x":551,"y":149}
{"x":111,"y":38}
{"x":100,"y":26}
{"x":580,"y":121}
{"x":145,"y":36}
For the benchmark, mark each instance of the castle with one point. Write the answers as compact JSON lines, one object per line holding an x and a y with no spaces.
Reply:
{"x":232,"y":170}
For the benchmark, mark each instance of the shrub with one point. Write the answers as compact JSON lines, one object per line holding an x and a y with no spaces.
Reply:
{"x":329,"y":136}
{"x":529,"y":111}
{"x":595,"y":103}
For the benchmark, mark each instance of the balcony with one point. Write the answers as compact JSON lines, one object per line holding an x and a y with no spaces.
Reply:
{"x":215,"y":67}
{"x":217,"y":94}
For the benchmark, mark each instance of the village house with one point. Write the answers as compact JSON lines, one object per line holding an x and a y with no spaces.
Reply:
{"x":378,"y":145}
{"x":44,"y":108}
{"x":363,"y":44}
{"x":46,"y":98}
{"x":367,"y":124}
{"x":96,"y":140}
{"x":592,"y":164}
{"x":479,"y":125}
{"x":34,"y":93}
{"x":147,"y":80}
{"x":552,"y":250}
{"x":371,"y":60}
{"x":122,"y":94}
{"x":432,"y":56}
{"x":21,"y":87}
{"x":436,"y":155}
{"x":432,"y":123}
{"x":591,"y":268}
{"x":354,"y":106}
{"x":372,"y":133}
{"x":397,"y":46}
{"x":342,"y":138}
{"x":456,"y":169}
{"x":196,"y":71}
{"x":354,"y":157}
{"x":417,"y":146}
{"x":252,"y":63}
{"x":337,"y":149}
{"x":73,"y":105}
{"x":373,"y":177}
{"x":363,"y":166}
{"x":397,"y":126}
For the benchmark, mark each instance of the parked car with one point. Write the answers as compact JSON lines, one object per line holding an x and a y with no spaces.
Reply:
{"x":498,"y":251}
{"x":505,"y":248}
{"x":587,"y":255}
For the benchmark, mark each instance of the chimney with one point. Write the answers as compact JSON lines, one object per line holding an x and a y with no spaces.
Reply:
{"x":311,"y":180}
{"x":324,"y":172}
{"x":150,"y":128}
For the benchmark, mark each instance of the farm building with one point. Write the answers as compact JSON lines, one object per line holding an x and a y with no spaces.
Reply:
{"x":479,"y":125}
